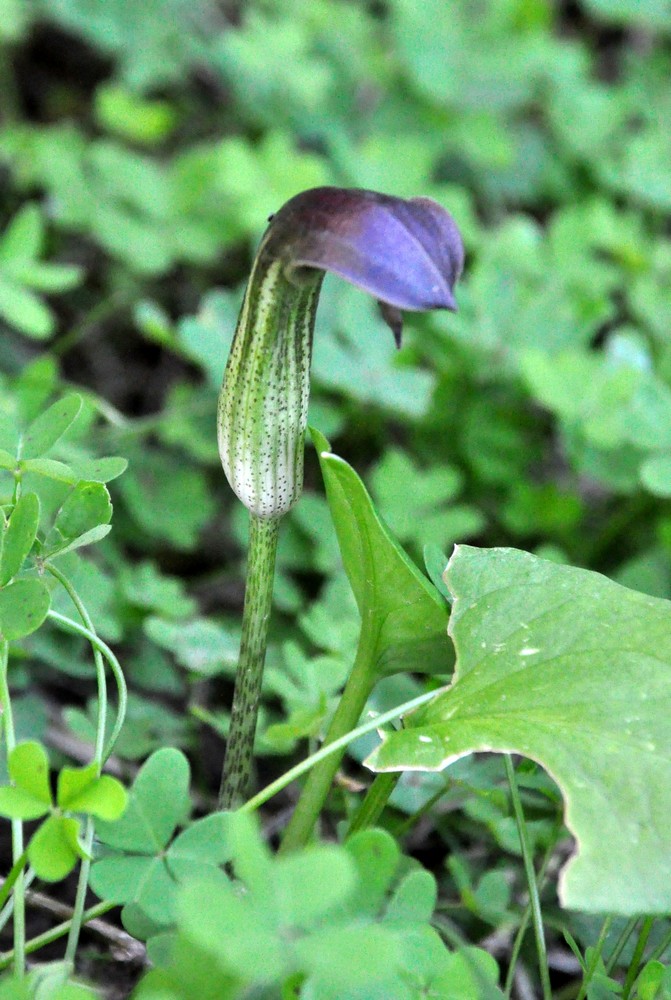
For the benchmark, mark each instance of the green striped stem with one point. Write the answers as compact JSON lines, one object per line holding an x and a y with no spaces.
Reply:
{"x":262,"y":417}
{"x":263,"y":404}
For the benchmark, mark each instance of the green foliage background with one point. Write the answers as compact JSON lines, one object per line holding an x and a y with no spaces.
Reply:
{"x":143,"y":145}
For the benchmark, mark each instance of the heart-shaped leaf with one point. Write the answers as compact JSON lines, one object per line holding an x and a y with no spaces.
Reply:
{"x":574,"y":671}
{"x":147,"y":876}
{"x":29,"y":769}
{"x":158,"y":802}
{"x":55,"y":848}
{"x":81,"y":789}
{"x":393,"y":596}
{"x":30,"y":795}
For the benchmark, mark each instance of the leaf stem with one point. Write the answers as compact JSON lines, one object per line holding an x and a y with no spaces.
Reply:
{"x":354,"y":697}
{"x":620,"y":944}
{"x":17,"y":825}
{"x":374,"y":801}
{"x":524,"y":924}
{"x":332,"y":748}
{"x":115,"y":667}
{"x":527,"y":857}
{"x":99,"y":749}
{"x":99,"y":746}
{"x":596,"y":954}
{"x":637,"y":957}
{"x":10,"y":879}
{"x":59,"y":931}
{"x":8,"y":908}
{"x":263,"y":535}
{"x":657,"y":953}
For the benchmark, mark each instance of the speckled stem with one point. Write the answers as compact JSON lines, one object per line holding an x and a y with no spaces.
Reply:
{"x":255,"y":620}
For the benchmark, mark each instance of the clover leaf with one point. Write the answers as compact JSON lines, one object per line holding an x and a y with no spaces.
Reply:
{"x":339,"y":922}
{"x":55,"y":847}
{"x":144,"y":862}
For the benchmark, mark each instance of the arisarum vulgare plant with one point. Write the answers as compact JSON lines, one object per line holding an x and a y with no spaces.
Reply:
{"x":406,"y":253}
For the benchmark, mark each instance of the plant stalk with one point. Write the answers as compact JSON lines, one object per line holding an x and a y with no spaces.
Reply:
{"x":534,"y":898}
{"x":54,"y":933}
{"x":354,"y":697}
{"x":17,"y":825}
{"x":98,"y":751}
{"x":115,"y":667}
{"x":279,"y":784}
{"x":10,"y":879}
{"x":237,"y":768}
{"x":374,"y":801}
{"x":637,"y":957}
{"x":596,"y":955}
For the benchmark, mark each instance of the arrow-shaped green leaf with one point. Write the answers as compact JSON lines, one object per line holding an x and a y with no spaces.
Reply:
{"x":574,"y":671}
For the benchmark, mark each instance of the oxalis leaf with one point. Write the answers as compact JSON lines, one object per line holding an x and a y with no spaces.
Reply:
{"x":574,"y":671}
{"x":19,"y":537}
{"x":409,"y":614}
{"x":50,"y":426}
{"x":23,"y":607}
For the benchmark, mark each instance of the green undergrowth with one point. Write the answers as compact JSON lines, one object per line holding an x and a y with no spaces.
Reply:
{"x":512,"y":832}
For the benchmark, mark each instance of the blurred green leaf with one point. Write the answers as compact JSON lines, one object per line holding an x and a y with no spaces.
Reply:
{"x":132,"y":117}
{"x":419,"y":505}
{"x":50,"y":426}
{"x":200,"y":645}
{"x":20,"y":271}
{"x":308,"y":918}
{"x":23,"y":607}
{"x":24,"y":310}
{"x":168,"y":498}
